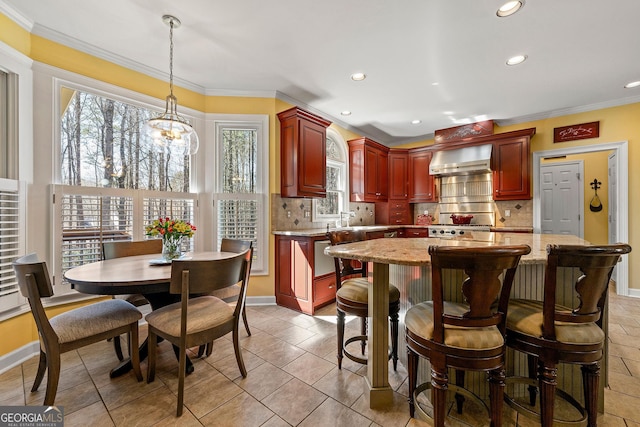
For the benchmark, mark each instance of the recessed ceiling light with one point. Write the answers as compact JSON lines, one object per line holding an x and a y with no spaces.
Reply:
{"x":416,"y":122}
{"x":435,"y":84}
{"x":447,"y":113}
{"x":515,"y":60}
{"x":346,"y":113}
{"x":632,"y":84}
{"x":509,"y":8}
{"x":358,"y":77}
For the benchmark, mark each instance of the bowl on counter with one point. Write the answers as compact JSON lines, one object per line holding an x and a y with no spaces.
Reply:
{"x":461,"y":219}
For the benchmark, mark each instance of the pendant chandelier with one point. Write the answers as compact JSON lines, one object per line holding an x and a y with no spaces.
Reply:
{"x":170,"y":131}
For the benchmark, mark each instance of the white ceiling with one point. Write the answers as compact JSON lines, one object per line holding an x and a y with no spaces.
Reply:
{"x":580,"y":54}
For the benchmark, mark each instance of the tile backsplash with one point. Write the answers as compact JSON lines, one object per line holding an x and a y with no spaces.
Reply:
{"x":295,"y":214}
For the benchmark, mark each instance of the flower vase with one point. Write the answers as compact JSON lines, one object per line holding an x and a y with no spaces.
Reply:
{"x":171,"y":247}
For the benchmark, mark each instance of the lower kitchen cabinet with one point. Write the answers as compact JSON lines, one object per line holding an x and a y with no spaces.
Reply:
{"x":305,"y":277}
{"x":416,"y":232}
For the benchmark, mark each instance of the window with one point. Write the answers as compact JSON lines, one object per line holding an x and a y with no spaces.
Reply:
{"x":329,"y":208}
{"x":11,"y":237}
{"x":242,"y":184}
{"x":114,"y":181}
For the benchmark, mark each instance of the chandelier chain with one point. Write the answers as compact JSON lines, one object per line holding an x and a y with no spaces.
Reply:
{"x":171,"y":57}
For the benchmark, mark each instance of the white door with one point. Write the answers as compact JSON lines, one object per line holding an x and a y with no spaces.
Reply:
{"x":613,"y":203}
{"x":561,"y":195}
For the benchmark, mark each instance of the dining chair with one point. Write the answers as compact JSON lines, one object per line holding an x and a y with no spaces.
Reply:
{"x":200,"y":319}
{"x":230,"y":294}
{"x":466,"y":335}
{"x":352,"y":298}
{"x":551,"y":333}
{"x":74,"y":328}
{"x":124,"y":248}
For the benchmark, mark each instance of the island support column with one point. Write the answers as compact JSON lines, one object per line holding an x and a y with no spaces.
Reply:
{"x":377,"y":386}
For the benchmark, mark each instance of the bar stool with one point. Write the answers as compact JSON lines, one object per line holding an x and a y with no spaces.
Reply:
{"x":352,"y":297}
{"x":465,"y":335}
{"x":550,"y":333}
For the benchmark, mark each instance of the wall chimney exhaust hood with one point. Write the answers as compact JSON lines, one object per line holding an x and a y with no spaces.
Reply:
{"x":461,"y":161}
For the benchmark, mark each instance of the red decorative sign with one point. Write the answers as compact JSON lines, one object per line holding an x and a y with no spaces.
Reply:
{"x":574,"y":132}
{"x":465,"y":131}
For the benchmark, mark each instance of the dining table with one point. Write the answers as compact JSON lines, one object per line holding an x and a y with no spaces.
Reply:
{"x":148,"y":275}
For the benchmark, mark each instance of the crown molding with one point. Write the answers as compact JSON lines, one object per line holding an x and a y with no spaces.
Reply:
{"x":16,"y":16}
{"x":92,"y":50}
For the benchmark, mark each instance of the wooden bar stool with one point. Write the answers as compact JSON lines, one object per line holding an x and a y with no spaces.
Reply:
{"x":462,"y":335}
{"x":550,"y":333}
{"x":352,"y":297}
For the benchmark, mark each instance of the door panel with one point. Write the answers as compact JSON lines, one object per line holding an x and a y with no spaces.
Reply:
{"x":561,"y":201}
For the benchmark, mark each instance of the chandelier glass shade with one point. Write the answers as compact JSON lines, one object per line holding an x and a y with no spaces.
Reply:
{"x":170,"y":131}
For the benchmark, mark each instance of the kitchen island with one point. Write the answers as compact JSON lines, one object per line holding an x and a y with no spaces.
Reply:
{"x":406,"y":264}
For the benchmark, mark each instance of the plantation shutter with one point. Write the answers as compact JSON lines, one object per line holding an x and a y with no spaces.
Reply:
{"x":174,"y":208}
{"x":11,"y":238}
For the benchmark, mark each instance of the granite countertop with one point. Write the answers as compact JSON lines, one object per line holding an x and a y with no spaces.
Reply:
{"x":415,"y":251}
{"x":317,"y":232}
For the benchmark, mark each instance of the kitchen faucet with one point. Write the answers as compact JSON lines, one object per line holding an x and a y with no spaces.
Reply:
{"x":349,"y":214}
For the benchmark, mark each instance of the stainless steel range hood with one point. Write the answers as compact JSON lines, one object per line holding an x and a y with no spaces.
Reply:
{"x":461,"y":161}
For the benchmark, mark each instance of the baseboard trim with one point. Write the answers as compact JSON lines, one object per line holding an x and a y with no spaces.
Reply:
{"x":19,"y":356}
{"x":260,"y":301}
{"x":634,"y":292}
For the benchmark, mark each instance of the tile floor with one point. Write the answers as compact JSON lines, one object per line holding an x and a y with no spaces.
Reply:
{"x":293,"y":380}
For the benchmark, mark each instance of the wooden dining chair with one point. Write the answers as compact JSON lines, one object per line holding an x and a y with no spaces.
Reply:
{"x":231,"y":293}
{"x":465,"y":335}
{"x":203,"y":319}
{"x":123,"y":248}
{"x":352,"y":298}
{"x":550,"y":333}
{"x":74,"y":328}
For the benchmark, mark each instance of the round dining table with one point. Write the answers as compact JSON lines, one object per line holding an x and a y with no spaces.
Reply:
{"x":148,"y":275}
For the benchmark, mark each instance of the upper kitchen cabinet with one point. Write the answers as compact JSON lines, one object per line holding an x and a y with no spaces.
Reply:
{"x":302,"y":154}
{"x":398,"y":174}
{"x":512,"y":165}
{"x":368,"y":171}
{"x":421,"y":185}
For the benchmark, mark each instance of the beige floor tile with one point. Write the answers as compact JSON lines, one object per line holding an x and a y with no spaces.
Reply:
{"x":186,"y":420}
{"x":96,"y":412}
{"x":73,"y":399}
{"x":264,"y":380}
{"x":229,"y":365}
{"x":202,"y":372}
{"x":623,"y":384}
{"x":319,"y":345}
{"x":11,"y":386}
{"x":206,"y":396}
{"x":616,"y":364}
{"x":622,"y":405}
{"x":308,"y":368}
{"x":294,"y":401}
{"x":342,"y":385}
{"x":634,"y":331}
{"x":608,"y":420}
{"x":258,"y":341}
{"x":625,"y":351}
{"x":241,"y":411}
{"x":124,"y":389}
{"x":633,"y":366}
{"x":293,"y":334}
{"x":146,"y":410}
{"x":276,"y":421}
{"x":280,"y":353}
{"x":332,"y":413}
{"x":396,"y":414}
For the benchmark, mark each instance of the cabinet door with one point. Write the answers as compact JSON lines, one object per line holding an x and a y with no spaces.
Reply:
{"x":383,"y":175}
{"x":421,"y":184}
{"x":376,"y":181}
{"x":312,"y":172}
{"x":398,"y":175}
{"x":416,"y":232}
{"x":294,"y":273}
{"x":511,"y":169}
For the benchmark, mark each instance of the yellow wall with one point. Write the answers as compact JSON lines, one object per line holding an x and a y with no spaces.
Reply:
{"x":616,"y":124}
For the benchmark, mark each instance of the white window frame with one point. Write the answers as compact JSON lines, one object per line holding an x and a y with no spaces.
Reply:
{"x":60,"y":79}
{"x":260,"y":123}
{"x":19,"y":172}
{"x":344,"y":179}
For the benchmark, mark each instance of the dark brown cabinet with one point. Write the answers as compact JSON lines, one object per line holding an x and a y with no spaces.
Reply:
{"x":302,"y":154}
{"x":298,"y":284}
{"x":416,"y":232}
{"x":368,"y":171}
{"x":421,"y":185}
{"x":397,"y":210}
{"x":511,"y":169}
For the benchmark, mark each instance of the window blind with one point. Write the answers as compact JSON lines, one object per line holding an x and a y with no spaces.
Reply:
{"x":11,"y":229}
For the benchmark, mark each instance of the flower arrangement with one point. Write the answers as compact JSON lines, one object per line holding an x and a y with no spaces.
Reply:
{"x":172,"y":232}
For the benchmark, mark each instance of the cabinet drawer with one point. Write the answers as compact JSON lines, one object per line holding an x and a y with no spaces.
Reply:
{"x":416,"y":232}
{"x":324,"y":288}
